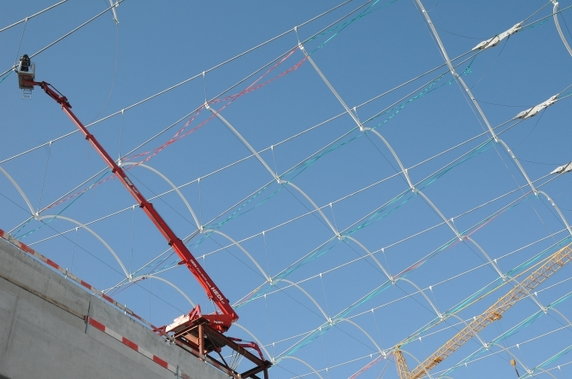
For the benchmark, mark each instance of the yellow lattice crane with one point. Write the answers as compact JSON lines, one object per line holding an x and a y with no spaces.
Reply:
{"x":553,"y":263}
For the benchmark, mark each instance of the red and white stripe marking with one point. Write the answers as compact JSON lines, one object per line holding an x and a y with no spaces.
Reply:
{"x":96,"y":324}
{"x":134,"y":346}
{"x":23,"y":247}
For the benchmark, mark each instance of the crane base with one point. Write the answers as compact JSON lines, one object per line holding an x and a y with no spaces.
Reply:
{"x":201,"y":340}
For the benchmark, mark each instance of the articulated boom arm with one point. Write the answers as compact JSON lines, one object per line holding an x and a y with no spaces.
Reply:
{"x":218,"y":321}
{"x":201,"y":335}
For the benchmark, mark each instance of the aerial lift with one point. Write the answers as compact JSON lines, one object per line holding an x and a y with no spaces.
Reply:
{"x":201,"y":334}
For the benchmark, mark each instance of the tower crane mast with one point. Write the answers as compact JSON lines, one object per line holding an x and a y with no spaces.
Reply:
{"x":495,"y":312}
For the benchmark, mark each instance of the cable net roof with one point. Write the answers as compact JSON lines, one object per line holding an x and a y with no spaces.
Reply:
{"x":355,"y":179}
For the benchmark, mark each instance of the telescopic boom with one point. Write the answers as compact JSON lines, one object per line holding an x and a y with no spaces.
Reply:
{"x":218,"y":321}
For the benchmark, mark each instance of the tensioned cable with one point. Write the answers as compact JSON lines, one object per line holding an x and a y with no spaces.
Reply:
{"x":559,"y":28}
{"x":121,"y":111}
{"x":377,"y":182}
{"x":66,"y":196}
{"x":189,"y":79}
{"x":519,"y":344}
{"x":402,"y":169}
{"x":381,"y":212}
{"x":326,"y":326}
{"x":484,"y":292}
{"x":380,"y":250}
{"x":292,"y":172}
{"x":482,"y":115}
{"x":540,"y":368}
{"x":460,"y":275}
{"x":513,"y":330}
{"x":430,"y":70}
{"x":64,"y":36}
{"x":528,"y":321}
{"x":360,"y":222}
{"x":385,"y":354}
{"x":306,"y":334}
{"x":306,"y":341}
{"x":467,"y":91}
{"x":295,"y":29}
{"x":551,"y":15}
{"x":28,"y":18}
{"x":275,"y":62}
{"x":80,"y":188}
{"x":396,"y":157}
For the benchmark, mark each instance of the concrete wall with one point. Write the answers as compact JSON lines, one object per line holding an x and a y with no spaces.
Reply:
{"x":45,"y":331}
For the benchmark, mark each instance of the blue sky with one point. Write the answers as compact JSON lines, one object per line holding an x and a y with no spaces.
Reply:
{"x":328,"y":192}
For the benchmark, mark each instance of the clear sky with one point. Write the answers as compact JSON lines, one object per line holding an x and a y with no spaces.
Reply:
{"x":345,"y":190}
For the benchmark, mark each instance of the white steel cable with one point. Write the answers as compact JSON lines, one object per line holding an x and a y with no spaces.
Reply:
{"x":558,"y":28}
{"x":244,"y":142}
{"x":479,"y":110}
{"x":171,"y":184}
{"x":167,"y":282}
{"x":19,"y":190}
{"x":449,"y":315}
{"x":189,"y":79}
{"x":64,"y":36}
{"x":394,"y":153}
{"x":312,"y":211}
{"x":28,"y":18}
{"x":454,"y":217}
{"x":355,"y":260}
{"x":93,"y":233}
{"x":477,"y":106}
{"x":343,"y":198}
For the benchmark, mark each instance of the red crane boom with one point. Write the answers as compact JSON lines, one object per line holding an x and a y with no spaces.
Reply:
{"x":200,"y":334}
{"x":219,"y":321}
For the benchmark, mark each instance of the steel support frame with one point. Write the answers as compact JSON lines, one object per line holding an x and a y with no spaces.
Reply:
{"x":201,"y":340}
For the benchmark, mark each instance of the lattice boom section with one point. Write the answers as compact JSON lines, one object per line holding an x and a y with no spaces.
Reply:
{"x":555,"y":262}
